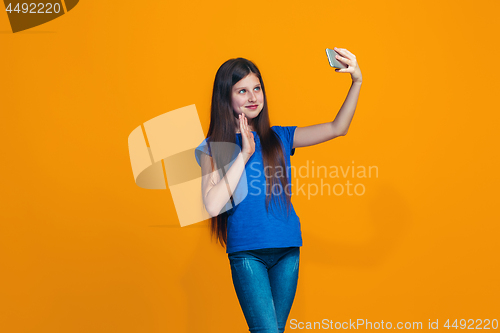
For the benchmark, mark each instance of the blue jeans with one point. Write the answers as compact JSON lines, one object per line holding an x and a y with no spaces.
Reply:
{"x":265,"y":282}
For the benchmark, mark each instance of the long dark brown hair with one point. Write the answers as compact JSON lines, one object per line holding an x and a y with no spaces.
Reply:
{"x":222,"y":129}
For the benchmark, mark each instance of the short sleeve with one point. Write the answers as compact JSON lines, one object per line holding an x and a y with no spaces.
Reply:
{"x":287,"y":134}
{"x":202,"y":149}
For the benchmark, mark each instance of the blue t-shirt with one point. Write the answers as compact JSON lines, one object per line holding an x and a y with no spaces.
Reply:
{"x":249,"y":226}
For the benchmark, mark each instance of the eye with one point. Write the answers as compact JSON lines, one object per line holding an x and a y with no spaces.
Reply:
{"x":244,"y":89}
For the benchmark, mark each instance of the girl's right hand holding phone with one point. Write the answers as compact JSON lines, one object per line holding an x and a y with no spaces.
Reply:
{"x":248,"y":141}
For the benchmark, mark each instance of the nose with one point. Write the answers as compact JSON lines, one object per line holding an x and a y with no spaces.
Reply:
{"x":252,"y":97}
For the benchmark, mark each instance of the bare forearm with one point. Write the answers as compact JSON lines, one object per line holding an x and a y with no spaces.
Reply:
{"x":219,"y":194}
{"x":344,"y":116}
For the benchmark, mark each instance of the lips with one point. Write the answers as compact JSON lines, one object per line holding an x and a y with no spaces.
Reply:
{"x":252,"y":106}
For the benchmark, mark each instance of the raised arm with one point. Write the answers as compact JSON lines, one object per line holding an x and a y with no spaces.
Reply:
{"x":315,"y":134}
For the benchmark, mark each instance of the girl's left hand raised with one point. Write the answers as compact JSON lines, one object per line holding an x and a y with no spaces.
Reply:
{"x":349,"y":59}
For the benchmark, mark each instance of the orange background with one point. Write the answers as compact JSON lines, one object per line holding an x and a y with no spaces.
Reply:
{"x":84,"y":249}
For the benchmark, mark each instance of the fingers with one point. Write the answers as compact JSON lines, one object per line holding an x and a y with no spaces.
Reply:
{"x":345,"y":53}
{"x":344,"y":60}
{"x":348,"y":58}
{"x":243,"y":123}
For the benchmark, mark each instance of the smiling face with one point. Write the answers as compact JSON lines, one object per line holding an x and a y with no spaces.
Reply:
{"x":245,"y":93}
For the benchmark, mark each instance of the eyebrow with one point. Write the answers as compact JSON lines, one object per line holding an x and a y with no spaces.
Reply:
{"x":258,"y":84}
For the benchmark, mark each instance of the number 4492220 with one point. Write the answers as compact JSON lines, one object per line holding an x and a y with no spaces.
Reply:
{"x":25,"y":8}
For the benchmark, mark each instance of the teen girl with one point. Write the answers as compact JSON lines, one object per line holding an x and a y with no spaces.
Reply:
{"x":262,"y":239}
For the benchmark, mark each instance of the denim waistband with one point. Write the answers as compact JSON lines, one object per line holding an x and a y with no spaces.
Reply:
{"x":270,"y":250}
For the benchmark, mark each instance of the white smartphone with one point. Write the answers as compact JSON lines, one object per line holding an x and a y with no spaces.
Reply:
{"x":332,"y":60}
